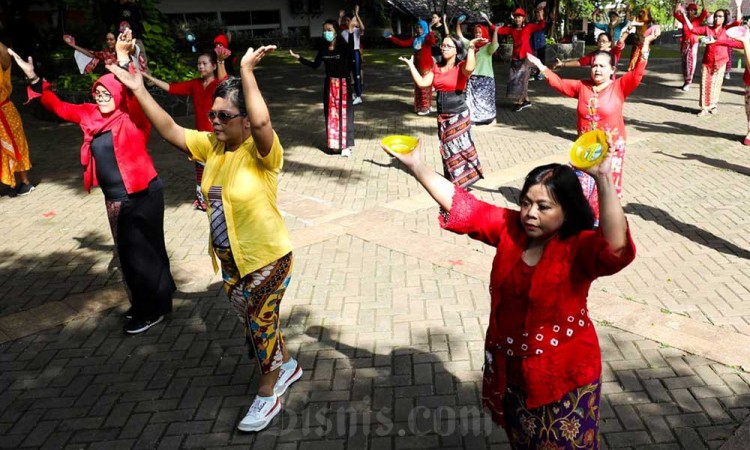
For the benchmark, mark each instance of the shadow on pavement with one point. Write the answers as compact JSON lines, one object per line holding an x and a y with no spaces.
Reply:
{"x":713,"y":162}
{"x":686,"y":230}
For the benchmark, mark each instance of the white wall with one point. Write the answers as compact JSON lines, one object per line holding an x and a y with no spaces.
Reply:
{"x":314,"y":22}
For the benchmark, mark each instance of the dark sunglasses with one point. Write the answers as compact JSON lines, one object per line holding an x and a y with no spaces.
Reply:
{"x":224,"y":117}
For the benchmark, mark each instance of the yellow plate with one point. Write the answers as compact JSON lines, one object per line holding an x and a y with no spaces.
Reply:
{"x":589,"y":149}
{"x":398,"y":143}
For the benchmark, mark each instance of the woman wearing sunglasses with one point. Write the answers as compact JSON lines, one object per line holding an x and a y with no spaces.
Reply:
{"x":449,"y":77}
{"x":114,"y":157}
{"x":201,"y":91}
{"x":243,"y":159}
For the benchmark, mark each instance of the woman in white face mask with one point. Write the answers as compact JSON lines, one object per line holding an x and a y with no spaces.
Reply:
{"x":337,"y":55}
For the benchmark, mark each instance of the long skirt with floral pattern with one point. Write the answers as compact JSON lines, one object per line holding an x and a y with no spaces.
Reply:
{"x":570,"y":423}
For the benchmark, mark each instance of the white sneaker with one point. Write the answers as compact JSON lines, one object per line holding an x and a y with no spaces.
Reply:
{"x":686,"y":87}
{"x":357,"y":100}
{"x":347,"y":152}
{"x":423,"y":113}
{"x":287,"y":377}
{"x":260,"y":414}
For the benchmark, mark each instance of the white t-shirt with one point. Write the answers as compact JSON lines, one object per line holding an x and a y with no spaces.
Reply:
{"x":345,"y":35}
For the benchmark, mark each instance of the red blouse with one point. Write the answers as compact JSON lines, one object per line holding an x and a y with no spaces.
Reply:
{"x":451,"y":80}
{"x":687,"y":35}
{"x":422,"y":57}
{"x":522,"y":37}
{"x":555,"y":314}
{"x":715,"y":55}
{"x":203,"y":99}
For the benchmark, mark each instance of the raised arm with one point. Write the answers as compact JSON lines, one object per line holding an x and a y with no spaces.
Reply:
{"x":471,"y":57}
{"x":163,"y":85}
{"x":421,"y":81}
{"x":70,"y":40}
{"x":459,"y":31}
{"x":359,"y":20}
{"x":612,"y":221}
{"x":257,"y":111}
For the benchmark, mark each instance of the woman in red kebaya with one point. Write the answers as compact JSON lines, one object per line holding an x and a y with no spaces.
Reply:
{"x":520,"y":31}
{"x":689,"y":40}
{"x":201,"y":90}
{"x":542,"y":369}
{"x":422,"y":44}
{"x":715,"y":59}
{"x":600,"y":103}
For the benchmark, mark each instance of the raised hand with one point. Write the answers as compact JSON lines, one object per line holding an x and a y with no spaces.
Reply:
{"x":68,"y":39}
{"x":131,"y":80}
{"x":253,"y":57}
{"x":536,"y":61}
{"x":604,"y":167}
{"x":222,"y":53}
{"x":558,"y":64}
{"x":294,"y":55}
{"x":409,"y":61}
{"x":26,"y":66}
{"x":479,"y":40}
{"x":125,"y":43}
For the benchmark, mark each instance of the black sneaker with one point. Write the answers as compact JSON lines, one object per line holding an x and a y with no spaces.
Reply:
{"x":137,"y":325}
{"x":524,"y":105}
{"x":128,"y":314}
{"x":24,"y":189}
{"x":517,"y":107}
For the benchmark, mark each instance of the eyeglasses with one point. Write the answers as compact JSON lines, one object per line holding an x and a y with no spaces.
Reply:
{"x":103,"y":96}
{"x":447,"y":46}
{"x":224,"y":117}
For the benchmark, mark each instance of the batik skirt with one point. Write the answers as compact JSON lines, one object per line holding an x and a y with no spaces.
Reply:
{"x":339,"y":115}
{"x":569,"y":423}
{"x":480,"y":96}
{"x":518,"y":82}
{"x":460,"y":159}
{"x":712,"y":80}
{"x":422,"y":99}
{"x":256,"y":299}
{"x":14,"y":149}
{"x":137,"y":226}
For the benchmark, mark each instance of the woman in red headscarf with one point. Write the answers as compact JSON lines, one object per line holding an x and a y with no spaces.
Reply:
{"x":114,"y":157}
{"x":520,"y":31}
{"x":222,"y":41}
{"x":480,"y":92}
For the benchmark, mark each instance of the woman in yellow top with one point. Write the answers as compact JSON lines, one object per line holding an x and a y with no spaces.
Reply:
{"x":243,"y":158}
{"x":14,"y":150}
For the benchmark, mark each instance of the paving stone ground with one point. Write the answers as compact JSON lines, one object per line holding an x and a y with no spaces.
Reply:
{"x":386,"y":312}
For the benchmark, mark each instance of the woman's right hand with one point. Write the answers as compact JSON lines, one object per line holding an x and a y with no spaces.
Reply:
{"x":294,"y":55}
{"x":26,"y":66}
{"x":132,"y":81}
{"x":68,"y":39}
{"x":409,"y":61}
{"x":558,"y":64}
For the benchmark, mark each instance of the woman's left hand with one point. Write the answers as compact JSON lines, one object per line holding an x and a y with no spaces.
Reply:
{"x":535,"y":61}
{"x":253,"y":57}
{"x":652,"y":37}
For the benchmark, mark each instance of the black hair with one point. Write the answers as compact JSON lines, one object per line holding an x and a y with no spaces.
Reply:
{"x":608,"y":53}
{"x":614,"y":13}
{"x":231,"y":89}
{"x":563,"y":186}
{"x":609,"y":37}
{"x":460,"y":50}
{"x":335,"y":25}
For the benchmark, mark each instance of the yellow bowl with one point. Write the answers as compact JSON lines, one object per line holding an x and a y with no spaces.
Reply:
{"x":589,"y":149}
{"x":398,"y":143}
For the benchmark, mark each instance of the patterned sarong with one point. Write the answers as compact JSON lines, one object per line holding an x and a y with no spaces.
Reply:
{"x":480,"y":96}
{"x":460,"y":159}
{"x":570,"y":423}
{"x":518,"y":83}
{"x":712,"y":79}
{"x":336,"y":125}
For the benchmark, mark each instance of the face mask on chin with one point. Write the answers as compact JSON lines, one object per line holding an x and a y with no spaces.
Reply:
{"x":328,"y":36}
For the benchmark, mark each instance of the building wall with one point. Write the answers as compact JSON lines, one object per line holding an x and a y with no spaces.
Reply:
{"x":238,"y":12}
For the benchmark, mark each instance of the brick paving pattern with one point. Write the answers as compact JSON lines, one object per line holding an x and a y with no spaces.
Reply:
{"x":386,"y":312}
